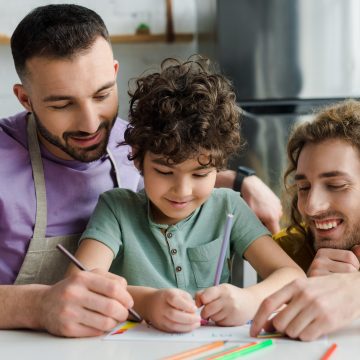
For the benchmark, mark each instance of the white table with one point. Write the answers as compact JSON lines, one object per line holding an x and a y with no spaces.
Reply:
{"x":25,"y":345}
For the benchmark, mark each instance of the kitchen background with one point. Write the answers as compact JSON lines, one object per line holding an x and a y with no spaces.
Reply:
{"x":285,"y":57}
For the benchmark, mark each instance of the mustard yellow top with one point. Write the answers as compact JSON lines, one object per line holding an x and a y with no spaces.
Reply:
{"x":297,"y":245}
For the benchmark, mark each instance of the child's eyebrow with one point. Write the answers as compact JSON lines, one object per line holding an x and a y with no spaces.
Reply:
{"x":161,"y":161}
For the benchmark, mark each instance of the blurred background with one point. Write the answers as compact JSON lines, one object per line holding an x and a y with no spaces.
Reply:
{"x":285,"y":57}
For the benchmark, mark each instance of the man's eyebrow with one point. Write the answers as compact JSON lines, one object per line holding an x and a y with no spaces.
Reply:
{"x":328,"y":174}
{"x":51,"y":98}
{"x":106,"y":86}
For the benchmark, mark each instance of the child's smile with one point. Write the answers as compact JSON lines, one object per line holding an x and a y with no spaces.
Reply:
{"x":175,"y":191}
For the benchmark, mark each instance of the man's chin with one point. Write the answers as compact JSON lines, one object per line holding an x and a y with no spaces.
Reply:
{"x":87,"y":156}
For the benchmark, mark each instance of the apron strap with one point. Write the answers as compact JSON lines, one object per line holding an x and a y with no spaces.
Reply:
{"x":116,"y":168}
{"x":39,"y":180}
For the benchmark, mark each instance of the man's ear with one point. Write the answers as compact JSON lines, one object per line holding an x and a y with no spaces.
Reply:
{"x":22,"y":96}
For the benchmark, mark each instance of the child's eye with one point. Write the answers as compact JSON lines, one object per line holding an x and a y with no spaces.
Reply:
{"x":163,"y":172}
{"x":201,"y":175}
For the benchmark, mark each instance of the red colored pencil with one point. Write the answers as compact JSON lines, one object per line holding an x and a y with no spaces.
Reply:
{"x":329,"y":352}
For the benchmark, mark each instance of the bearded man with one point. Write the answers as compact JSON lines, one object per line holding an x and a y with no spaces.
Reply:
{"x":323,"y":178}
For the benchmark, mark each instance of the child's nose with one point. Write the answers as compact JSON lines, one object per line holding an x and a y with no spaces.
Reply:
{"x":183,"y":188}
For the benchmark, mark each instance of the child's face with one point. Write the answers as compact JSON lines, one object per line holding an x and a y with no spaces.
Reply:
{"x":175,"y":191}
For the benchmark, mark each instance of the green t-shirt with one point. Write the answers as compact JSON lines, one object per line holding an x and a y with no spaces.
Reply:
{"x":186,"y":255}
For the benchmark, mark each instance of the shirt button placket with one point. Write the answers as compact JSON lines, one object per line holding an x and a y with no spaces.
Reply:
{"x":178,"y":268}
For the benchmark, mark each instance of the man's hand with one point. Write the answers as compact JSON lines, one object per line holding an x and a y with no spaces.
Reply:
{"x":173,"y":310}
{"x":328,"y":261}
{"x":316,"y":306}
{"x":260,"y":198}
{"x":84,"y":304}
{"x":265,"y":204}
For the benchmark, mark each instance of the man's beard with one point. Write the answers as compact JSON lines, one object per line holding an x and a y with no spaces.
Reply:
{"x":87,"y":154}
{"x":350,"y":237}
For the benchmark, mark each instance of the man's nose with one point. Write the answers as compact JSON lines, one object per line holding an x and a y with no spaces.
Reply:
{"x":316,"y":203}
{"x":89,"y":120}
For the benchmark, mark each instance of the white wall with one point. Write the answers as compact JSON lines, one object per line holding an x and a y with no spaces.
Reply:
{"x":121,"y":17}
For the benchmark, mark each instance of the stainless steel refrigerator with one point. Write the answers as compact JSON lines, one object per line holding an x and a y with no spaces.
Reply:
{"x":285,"y":58}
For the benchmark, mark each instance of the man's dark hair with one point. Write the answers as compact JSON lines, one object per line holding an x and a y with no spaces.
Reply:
{"x":55,"y":31}
{"x":181,"y":111}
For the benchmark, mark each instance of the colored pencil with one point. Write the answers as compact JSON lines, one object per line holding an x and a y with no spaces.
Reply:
{"x":195,"y":351}
{"x":83,"y":268}
{"x":248,"y":350}
{"x":219,"y":354}
{"x":224,"y":245}
{"x":329,"y":352}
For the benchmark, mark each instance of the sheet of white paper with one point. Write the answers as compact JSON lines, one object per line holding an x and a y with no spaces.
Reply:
{"x":128,"y":331}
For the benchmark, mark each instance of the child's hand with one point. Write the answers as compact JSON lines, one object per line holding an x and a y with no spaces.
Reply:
{"x":173,"y":310}
{"x":227,"y":305}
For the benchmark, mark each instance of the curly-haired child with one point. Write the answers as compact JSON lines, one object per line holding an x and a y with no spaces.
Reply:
{"x":166,"y":239}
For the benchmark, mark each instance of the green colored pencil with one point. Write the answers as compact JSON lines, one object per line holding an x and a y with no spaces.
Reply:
{"x":248,"y":350}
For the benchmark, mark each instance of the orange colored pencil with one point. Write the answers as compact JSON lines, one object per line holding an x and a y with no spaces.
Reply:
{"x":329,"y":352}
{"x":195,"y":351}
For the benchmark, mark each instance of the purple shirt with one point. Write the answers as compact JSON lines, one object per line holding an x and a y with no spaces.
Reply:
{"x":72,"y":190}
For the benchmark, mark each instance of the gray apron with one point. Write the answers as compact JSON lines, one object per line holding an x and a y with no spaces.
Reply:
{"x":43,"y":263}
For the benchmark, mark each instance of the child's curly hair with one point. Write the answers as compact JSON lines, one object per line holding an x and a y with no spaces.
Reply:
{"x":182,"y":111}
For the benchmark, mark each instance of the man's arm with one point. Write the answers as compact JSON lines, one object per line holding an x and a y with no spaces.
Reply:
{"x":85,"y":304}
{"x":261,"y":199}
{"x":315,"y":306}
